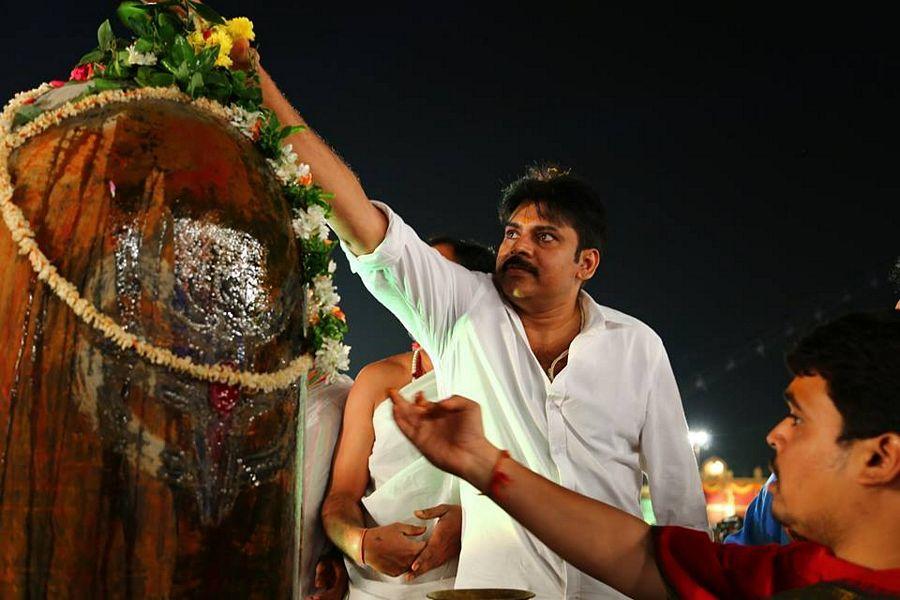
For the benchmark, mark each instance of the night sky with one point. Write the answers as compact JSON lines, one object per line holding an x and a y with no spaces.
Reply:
{"x":749,"y":160}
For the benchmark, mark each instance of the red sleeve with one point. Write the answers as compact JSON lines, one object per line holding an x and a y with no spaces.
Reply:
{"x":695,"y":567}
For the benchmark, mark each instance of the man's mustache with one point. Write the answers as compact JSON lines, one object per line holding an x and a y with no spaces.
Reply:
{"x":518,"y":262}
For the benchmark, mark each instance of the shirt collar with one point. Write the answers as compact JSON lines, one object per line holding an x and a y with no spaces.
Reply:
{"x":593,"y":313}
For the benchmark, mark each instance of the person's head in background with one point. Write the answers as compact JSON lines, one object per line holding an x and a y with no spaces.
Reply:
{"x":469,"y":254}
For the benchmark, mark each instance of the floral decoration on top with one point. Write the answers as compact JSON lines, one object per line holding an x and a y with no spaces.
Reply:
{"x":185,"y":47}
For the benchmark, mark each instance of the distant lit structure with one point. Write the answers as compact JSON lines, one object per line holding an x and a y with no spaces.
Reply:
{"x":727,"y":495}
{"x":714,"y":467}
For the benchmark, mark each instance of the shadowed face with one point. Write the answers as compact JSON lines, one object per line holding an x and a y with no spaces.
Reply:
{"x":538,"y":258}
{"x":813,"y":468}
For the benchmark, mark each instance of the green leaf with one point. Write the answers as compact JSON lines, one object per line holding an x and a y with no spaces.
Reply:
{"x":143,"y":75}
{"x":167,"y":27}
{"x":92,"y":57}
{"x":105,"y":37}
{"x":149,"y":77}
{"x":207,"y":58}
{"x":181,"y":50}
{"x":26,"y":114}
{"x":144,"y":45}
{"x":217,"y":79}
{"x":101,"y":84}
{"x":136,"y":17}
{"x":290,"y":130}
{"x":161,"y":80}
{"x":207,"y":13}
{"x":195,"y":86}
{"x":117,"y":68}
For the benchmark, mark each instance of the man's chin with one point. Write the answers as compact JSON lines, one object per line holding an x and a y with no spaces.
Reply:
{"x":513,"y":287}
{"x":778,"y":508}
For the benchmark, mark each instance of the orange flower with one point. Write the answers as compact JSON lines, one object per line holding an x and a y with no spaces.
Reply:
{"x":306,"y":180}
{"x":336,"y":311}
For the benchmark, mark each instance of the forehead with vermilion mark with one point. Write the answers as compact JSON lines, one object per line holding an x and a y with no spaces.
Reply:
{"x":531,"y":214}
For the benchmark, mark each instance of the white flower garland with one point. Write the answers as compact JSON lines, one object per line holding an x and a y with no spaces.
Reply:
{"x":310,"y":223}
{"x":138,"y":58}
{"x":330,"y":358}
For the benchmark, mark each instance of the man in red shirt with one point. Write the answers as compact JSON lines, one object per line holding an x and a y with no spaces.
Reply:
{"x":837,"y":457}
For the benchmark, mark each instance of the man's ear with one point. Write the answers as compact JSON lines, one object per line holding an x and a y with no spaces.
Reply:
{"x":880,"y":458}
{"x":588,"y":261}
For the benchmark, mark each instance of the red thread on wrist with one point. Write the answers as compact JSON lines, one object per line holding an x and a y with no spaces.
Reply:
{"x":499,"y":479}
{"x":362,"y":547}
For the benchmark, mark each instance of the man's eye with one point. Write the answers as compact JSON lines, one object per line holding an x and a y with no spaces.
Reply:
{"x":511,"y":234}
{"x":546,"y":237}
{"x":795,"y":419}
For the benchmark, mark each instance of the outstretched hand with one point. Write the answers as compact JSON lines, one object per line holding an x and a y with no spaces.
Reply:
{"x":243,"y":56}
{"x":449,"y":434}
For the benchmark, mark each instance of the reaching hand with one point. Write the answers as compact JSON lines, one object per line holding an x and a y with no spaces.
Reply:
{"x":390,"y":549}
{"x":444,"y":543}
{"x":450,"y":435}
{"x":331,"y":579}
{"x":243,"y":56}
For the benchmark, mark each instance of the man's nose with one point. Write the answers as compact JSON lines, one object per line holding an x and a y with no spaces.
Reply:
{"x":775,"y":437}
{"x":522,"y":245}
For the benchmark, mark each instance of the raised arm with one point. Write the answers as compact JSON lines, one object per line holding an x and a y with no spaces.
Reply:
{"x":359,"y":224}
{"x":602,"y":541}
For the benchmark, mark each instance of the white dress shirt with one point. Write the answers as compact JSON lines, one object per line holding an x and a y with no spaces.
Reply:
{"x":612,"y":412}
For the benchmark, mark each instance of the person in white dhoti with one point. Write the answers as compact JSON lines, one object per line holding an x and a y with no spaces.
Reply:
{"x":324,"y":407}
{"x":381,"y":484}
{"x":581,"y":393}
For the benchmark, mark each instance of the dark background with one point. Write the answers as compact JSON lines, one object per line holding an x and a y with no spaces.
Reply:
{"x":749,"y":159}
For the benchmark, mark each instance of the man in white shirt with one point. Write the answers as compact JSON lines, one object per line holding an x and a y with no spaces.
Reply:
{"x":580,"y":393}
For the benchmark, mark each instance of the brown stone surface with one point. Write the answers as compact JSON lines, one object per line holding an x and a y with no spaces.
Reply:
{"x":119,"y":479}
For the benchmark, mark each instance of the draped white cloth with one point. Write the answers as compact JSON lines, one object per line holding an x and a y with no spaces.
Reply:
{"x":403,"y":481}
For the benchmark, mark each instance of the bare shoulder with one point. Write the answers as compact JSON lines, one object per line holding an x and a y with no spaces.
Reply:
{"x":376,"y":378}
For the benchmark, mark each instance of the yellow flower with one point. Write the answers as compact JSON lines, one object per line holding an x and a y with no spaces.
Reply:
{"x":217,"y":36}
{"x":195,"y":39}
{"x":241,"y":28}
{"x":221,"y":38}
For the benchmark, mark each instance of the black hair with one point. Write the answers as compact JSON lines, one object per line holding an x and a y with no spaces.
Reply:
{"x":562,"y":197}
{"x":858,"y":355}
{"x":470,"y":254}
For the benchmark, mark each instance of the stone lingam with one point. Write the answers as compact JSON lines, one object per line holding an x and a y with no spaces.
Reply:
{"x":121,"y":478}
